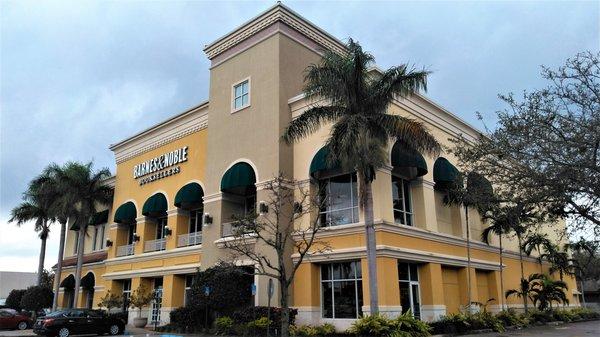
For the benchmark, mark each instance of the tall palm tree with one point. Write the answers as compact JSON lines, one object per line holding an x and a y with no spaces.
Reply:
{"x":500,"y":226}
{"x":583,"y":247}
{"x":477,"y":194}
{"x":524,"y":290}
{"x":49,"y":182}
{"x":35,"y":207}
{"x":538,"y":242}
{"x":362,"y":128}
{"x":84,"y":189}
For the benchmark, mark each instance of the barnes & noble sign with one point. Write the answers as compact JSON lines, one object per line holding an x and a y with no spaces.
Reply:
{"x":160,"y":167}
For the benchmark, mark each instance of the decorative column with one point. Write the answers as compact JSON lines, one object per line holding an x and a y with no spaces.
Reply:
{"x":432,"y":291}
{"x":146,"y":229}
{"x":117,"y":233}
{"x":306,"y":293}
{"x":494,"y":291}
{"x":388,"y":289}
{"x":178,"y":221}
{"x":382,"y":196}
{"x":423,"y":200}
{"x":173,"y":292}
{"x":211,"y":232}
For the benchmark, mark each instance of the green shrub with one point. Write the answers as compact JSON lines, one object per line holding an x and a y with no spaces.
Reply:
{"x":259,"y":325}
{"x":511,"y":318}
{"x":373,"y":325}
{"x":407,"y":324}
{"x":189,"y":318}
{"x":247,"y":315}
{"x":585,"y":313}
{"x":565,"y":315}
{"x":452,"y":324}
{"x":37,"y":298}
{"x":13,"y":300}
{"x":224,"y":325}
{"x":535,"y":315}
{"x":312,"y":331}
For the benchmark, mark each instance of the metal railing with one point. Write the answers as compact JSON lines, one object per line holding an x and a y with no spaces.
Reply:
{"x":155,"y":245}
{"x":232,"y":229}
{"x":190,"y":239}
{"x":125,"y":250}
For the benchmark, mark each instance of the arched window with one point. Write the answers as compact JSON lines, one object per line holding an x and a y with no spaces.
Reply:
{"x":156,"y":208}
{"x":189,"y":197}
{"x":338,"y":191}
{"x":238,"y":185}
{"x":407,"y":164}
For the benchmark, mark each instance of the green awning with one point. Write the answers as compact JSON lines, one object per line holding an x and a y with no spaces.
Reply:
{"x":68,"y":282}
{"x":444,"y":172}
{"x":408,"y":159}
{"x":478,"y":184}
{"x":97,"y":219}
{"x":320,"y":163}
{"x":126,"y":213}
{"x":190,"y":194}
{"x":239,"y":179}
{"x":88,"y":281}
{"x":155,"y":205}
{"x":100,"y":218}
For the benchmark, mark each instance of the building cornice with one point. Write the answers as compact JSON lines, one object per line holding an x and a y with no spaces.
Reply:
{"x":151,"y":272}
{"x":174,"y":128}
{"x":275,"y":14}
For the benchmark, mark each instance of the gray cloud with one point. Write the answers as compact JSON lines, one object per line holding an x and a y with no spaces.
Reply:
{"x":78,"y":76}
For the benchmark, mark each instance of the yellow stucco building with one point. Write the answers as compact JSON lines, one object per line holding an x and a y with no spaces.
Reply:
{"x":212,"y":161}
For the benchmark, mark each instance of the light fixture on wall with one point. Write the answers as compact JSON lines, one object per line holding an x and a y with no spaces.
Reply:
{"x":168,"y":231}
{"x":136,"y":237}
{"x":208,"y":219}
{"x":109,"y":242}
{"x":263,"y":208}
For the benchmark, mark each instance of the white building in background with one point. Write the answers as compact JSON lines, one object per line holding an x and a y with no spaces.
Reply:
{"x":10,"y":280}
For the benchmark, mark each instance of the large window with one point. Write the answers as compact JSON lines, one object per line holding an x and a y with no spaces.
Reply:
{"x":241,"y":95}
{"x":161,"y":223}
{"x":98,"y":239}
{"x":339,"y":195}
{"x":408,"y":276}
{"x":130,"y":231}
{"x":402,"y":203}
{"x":126,"y":293}
{"x":341,"y":290}
{"x":196,"y":221}
{"x":189,"y":282}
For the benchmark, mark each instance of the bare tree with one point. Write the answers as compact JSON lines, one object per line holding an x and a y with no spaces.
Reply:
{"x":285,"y":228}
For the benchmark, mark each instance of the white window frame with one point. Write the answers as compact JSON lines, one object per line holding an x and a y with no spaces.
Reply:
{"x":233,"y":97}
{"x":410,"y":288}
{"x":328,"y":210}
{"x":332,"y":281}
{"x":404,"y":212}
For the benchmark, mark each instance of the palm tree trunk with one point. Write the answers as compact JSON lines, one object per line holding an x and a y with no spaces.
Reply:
{"x":44,"y":237}
{"x":79,"y":264}
{"x":468,"y":259}
{"x":61,"y":249}
{"x":522,"y":271}
{"x":501,"y":275}
{"x":371,"y":248}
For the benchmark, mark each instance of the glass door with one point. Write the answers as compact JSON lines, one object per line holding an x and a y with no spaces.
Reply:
{"x":157,"y":303}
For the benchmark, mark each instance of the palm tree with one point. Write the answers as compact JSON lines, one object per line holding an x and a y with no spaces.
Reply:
{"x":49,"y":183}
{"x":545,"y":290}
{"x":583,"y":247}
{"x":361,"y":128}
{"x":83,"y":189}
{"x":500,"y":226}
{"x":35,"y":207}
{"x":477,"y":194}
{"x":524,"y":290}
{"x":538,"y":242}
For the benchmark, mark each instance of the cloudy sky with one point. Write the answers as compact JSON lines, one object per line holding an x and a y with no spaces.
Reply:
{"x":78,"y":76}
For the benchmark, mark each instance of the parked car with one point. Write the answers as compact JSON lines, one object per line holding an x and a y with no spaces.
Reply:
{"x":78,"y":321}
{"x":12,"y":319}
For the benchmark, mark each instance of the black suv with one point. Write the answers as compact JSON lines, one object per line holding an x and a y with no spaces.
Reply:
{"x":78,"y":321}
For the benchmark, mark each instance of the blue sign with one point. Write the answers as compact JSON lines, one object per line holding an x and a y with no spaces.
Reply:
{"x":206,"y":290}
{"x":253,"y":288}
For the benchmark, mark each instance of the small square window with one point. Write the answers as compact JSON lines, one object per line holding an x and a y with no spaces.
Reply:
{"x":241,"y":95}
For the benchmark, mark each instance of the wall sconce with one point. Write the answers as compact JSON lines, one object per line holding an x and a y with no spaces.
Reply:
{"x":168,"y":231}
{"x":208,"y":219}
{"x":263,"y":208}
{"x":136,"y":237}
{"x":109,"y":242}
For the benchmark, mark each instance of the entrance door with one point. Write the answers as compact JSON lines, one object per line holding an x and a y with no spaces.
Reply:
{"x":157,"y":303}
{"x":410,"y":298}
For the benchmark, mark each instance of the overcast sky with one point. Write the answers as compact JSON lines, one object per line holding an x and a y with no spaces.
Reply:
{"x":78,"y":76}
